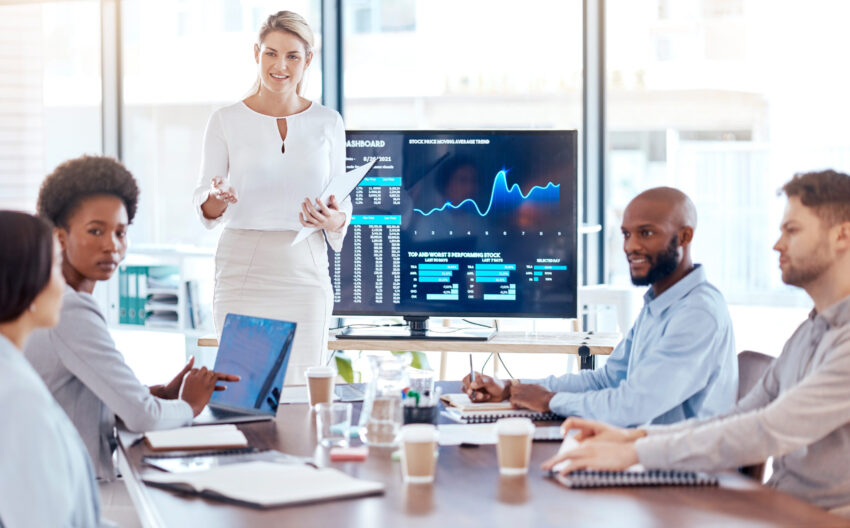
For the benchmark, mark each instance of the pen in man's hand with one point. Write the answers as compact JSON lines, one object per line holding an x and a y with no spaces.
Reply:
{"x":471,"y":379}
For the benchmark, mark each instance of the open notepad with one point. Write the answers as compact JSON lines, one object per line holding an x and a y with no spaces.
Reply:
{"x":267,"y":484}
{"x":462,"y":410}
{"x":225,"y":436}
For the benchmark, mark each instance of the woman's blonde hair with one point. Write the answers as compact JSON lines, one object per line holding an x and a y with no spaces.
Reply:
{"x":292,"y":23}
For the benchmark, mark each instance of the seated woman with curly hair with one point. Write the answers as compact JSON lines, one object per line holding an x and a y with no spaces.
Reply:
{"x":91,"y":201}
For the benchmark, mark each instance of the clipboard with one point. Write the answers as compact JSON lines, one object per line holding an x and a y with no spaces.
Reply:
{"x":340,"y":187}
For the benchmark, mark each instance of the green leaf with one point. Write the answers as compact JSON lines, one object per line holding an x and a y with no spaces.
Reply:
{"x":418,"y":359}
{"x":344,"y":368}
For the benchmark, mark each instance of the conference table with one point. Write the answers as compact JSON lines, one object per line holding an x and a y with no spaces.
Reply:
{"x":468,"y":491}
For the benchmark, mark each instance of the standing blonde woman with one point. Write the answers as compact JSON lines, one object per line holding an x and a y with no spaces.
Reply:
{"x":266,"y":159}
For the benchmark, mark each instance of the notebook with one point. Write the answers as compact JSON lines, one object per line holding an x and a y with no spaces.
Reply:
{"x":257,"y":350}
{"x":267,"y":484}
{"x":186,"y":438}
{"x":462,"y":410}
{"x":635,"y":476}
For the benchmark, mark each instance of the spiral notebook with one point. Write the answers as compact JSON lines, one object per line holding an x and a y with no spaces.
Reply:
{"x":635,"y":476}
{"x":461,"y":409}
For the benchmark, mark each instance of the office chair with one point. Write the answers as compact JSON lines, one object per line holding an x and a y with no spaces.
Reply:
{"x":751,"y":367}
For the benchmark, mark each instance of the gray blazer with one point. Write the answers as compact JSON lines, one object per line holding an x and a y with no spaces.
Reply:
{"x":87,"y":375}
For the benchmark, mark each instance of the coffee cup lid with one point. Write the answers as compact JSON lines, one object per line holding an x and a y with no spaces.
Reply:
{"x":418,"y":433}
{"x":514,"y":426}
{"x":320,"y":372}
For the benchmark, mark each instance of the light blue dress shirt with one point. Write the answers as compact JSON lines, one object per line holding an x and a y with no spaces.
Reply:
{"x":47,"y":477}
{"x":677,"y":362}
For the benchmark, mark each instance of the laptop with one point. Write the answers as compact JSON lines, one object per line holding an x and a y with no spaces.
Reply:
{"x":257,"y":350}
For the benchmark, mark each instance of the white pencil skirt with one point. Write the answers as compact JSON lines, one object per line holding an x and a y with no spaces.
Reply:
{"x":258,"y":273}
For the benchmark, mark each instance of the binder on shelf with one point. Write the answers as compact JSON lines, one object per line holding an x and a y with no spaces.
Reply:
{"x":193,"y":309}
{"x":141,"y":292}
{"x":132,"y":291}
{"x":153,"y":291}
{"x":123,"y":311}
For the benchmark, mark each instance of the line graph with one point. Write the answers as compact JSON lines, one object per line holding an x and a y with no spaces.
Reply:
{"x":504,"y":197}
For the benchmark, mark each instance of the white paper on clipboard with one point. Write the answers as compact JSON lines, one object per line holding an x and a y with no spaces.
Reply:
{"x":340,"y":187}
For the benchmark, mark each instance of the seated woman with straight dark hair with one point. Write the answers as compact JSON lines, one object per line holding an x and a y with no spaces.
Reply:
{"x":47,"y":478}
{"x":92,"y":200}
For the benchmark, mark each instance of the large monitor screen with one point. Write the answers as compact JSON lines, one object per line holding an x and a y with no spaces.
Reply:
{"x":460,"y":223}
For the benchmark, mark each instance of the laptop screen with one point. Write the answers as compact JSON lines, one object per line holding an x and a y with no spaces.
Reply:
{"x":257,"y":350}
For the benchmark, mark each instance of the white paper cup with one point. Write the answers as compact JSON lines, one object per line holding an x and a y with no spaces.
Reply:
{"x":514,"y":445}
{"x":418,"y":446}
{"x":320,"y":384}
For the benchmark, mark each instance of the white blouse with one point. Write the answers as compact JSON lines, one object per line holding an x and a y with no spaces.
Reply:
{"x":270,"y":186}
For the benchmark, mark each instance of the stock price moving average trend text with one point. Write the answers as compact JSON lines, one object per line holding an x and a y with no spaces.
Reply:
{"x":504,"y":195}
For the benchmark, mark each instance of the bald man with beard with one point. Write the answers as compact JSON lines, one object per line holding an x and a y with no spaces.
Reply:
{"x":677,"y":362}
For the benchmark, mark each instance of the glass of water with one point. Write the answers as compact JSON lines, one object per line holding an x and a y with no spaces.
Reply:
{"x":333,"y":424}
{"x":422,"y":381}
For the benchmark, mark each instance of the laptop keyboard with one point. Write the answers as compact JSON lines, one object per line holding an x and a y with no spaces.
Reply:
{"x":347,"y":393}
{"x":223,"y":413}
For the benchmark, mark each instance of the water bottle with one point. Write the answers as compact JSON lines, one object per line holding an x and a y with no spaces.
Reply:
{"x":381,"y":416}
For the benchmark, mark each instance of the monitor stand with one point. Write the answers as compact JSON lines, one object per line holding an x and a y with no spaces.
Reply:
{"x":417,"y":328}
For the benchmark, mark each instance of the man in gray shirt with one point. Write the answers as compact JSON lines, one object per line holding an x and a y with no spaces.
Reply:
{"x":799,"y":411}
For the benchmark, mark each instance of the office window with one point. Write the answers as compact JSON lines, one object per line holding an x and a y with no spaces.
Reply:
{"x":475,"y":64}
{"x":50,"y":92}
{"x":182,"y":60}
{"x":376,"y":16}
{"x":720,"y":99}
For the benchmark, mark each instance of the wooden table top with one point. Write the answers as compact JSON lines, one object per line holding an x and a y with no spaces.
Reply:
{"x":470,"y":492}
